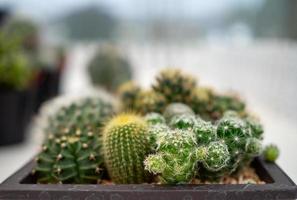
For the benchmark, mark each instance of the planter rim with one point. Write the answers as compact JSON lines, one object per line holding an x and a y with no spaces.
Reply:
{"x":282,"y":188}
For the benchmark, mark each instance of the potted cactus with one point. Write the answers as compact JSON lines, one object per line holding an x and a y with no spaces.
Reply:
{"x":46,"y":62}
{"x":94,"y":149}
{"x":15,"y":95}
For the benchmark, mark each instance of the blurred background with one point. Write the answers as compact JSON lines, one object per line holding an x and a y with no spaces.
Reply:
{"x":247,"y":46}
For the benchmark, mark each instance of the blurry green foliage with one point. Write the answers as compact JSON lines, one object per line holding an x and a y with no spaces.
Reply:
{"x":14,"y":70}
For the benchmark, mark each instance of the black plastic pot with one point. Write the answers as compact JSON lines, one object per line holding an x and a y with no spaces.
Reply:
{"x":47,"y":86}
{"x":16,"y":109}
{"x":22,"y":185}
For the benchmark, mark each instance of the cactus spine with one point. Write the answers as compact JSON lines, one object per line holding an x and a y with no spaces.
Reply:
{"x":125,"y":146}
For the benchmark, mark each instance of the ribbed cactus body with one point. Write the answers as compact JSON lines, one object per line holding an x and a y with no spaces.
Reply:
{"x":125,"y":146}
{"x":71,"y":152}
{"x":70,"y":159}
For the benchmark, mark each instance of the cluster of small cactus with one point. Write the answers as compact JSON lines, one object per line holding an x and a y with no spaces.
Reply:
{"x":175,"y":86}
{"x":171,"y":134}
{"x":215,"y":149}
{"x":71,"y":152}
{"x":109,"y":68}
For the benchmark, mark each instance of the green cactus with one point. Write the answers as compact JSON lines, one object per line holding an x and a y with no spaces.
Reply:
{"x":205,"y":132}
{"x":174,"y":109}
{"x":72,"y":148}
{"x":175,"y":160}
{"x":183,"y":121}
{"x":217,"y":156}
{"x":255,"y":126}
{"x":109,"y":68}
{"x":87,"y":113}
{"x":175,"y":85}
{"x":149,"y":101}
{"x":234,"y":132}
{"x":128,"y":93}
{"x":70,"y":159}
{"x":154,"y":118}
{"x":271,"y":153}
{"x":125,"y":146}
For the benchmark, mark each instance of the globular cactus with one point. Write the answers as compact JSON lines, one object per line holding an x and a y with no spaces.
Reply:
{"x":255,"y":126}
{"x":175,"y":160}
{"x":174,"y":109}
{"x":175,"y":85}
{"x":128,"y":93}
{"x":205,"y":132}
{"x":86,"y":113}
{"x":271,"y":153}
{"x":149,"y":101}
{"x":109,"y":68}
{"x":71,"y":152}
{"x":183,"y":121}
{"x":125,"y":146}
{"x":154,"y":118}
{"x":70,"y":159}
{"x":234,"y":133}
{"x":217,"y":156}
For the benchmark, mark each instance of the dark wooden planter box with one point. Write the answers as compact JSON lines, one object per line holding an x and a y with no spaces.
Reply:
{"x":22,"y":185}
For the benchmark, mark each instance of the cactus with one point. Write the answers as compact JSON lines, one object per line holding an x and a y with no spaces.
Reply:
{"x":217,"y":156}
{"x":109,"y":68}
{"x":175,"y":160}
{"x":125,"y":145}
{"x":210,"y":105}
{"x":70,"y":159}
{"x":149,"y":101}
{"x":71,"y":152}
{"x":127,"y":93}
{"x":87,"y":113}
{"x":174,"y":109}
{"x":154,"y":118}
{"x":255,"y":126}
{"x":271,"y":153}
{"x":183,"y":121}
{"x":174,"y":85}
{"x":205,"y":132}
